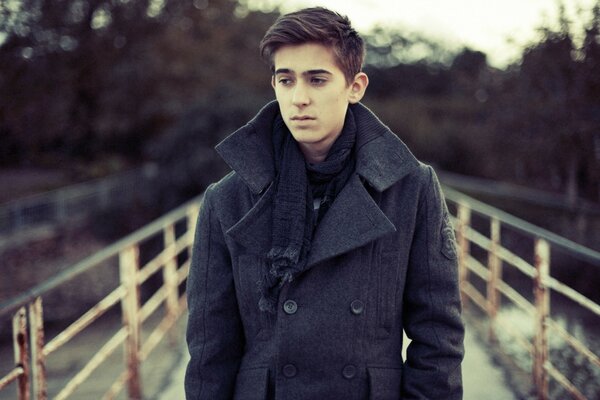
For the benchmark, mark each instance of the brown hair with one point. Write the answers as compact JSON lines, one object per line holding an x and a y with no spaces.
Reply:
{"x":318,"y":25}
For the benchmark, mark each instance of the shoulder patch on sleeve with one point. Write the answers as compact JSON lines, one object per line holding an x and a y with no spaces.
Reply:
{"x":448,"y":239}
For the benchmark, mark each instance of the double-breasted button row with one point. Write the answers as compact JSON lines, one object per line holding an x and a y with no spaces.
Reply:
{"x":290,"y":371}
{"x":290,"y":307}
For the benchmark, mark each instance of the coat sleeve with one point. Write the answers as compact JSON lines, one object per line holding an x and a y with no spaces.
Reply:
{"x":214,"y":331}
{"x":432,"y":307}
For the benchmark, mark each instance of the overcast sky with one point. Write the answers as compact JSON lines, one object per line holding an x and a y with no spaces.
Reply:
{"x":500,"y":28}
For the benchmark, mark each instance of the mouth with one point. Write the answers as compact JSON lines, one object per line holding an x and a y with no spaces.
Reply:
{"x":302,"y":118}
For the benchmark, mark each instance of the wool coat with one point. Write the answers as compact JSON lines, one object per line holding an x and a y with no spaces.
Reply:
{"x":382,"y":260}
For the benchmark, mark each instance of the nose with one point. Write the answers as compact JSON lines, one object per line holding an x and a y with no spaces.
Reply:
{"x":300,"y":96}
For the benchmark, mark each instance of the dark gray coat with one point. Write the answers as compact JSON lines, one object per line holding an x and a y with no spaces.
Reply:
{"x":383,"y":259}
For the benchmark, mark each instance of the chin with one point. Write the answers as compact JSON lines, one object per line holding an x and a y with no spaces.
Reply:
{"x":303,"y":137}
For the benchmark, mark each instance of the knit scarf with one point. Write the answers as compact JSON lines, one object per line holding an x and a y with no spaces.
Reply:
{"x":296,"y":183}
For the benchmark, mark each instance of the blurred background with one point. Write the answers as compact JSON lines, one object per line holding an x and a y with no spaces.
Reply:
{"x":91,"y":87}
{"x":113,"y":107}
{"x":507,"y":96}
{"x":503,"y":100}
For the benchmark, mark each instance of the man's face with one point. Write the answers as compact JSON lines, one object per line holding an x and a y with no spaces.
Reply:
{"x":313,"y":96}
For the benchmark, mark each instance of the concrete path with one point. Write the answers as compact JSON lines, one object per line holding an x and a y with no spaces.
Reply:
{"x":482,"y":380}
{"x":174,"y":388}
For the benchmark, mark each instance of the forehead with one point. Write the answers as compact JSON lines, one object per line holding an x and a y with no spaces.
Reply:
{"x":305,"y":57}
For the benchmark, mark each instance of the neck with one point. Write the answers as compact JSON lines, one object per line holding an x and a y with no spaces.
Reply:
{"x":314,"y":156}
{"x":315,"y":153}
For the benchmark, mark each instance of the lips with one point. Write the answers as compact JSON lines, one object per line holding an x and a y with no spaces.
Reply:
{"x":302,"y":118}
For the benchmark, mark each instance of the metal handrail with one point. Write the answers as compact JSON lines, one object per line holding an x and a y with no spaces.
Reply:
{"x":133,"y":275}
{"x":30,"y":355}
{"x":70,"y":202}
{"x":84,"y":265}
{"x":579,"y":251}
{"x":538,"y":271}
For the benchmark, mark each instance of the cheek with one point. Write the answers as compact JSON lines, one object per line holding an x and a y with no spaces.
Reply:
{"x":341,"y":104}
{"x":282,"y":99}
{"x":340,"y":98}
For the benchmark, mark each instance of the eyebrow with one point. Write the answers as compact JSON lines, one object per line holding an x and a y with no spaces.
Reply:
{"x":309,"y":72}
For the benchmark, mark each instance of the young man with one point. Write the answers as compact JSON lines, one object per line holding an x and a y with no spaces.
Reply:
{"x":326,"y":241}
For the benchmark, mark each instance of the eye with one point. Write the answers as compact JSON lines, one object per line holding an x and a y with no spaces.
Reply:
{"x":317,"y":81}
{"x":284,"y":81}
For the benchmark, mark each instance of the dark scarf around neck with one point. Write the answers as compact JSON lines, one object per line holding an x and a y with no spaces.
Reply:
{"x":293,"y":204}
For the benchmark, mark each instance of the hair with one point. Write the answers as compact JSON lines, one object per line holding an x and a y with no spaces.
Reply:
{"x":317,"y":25}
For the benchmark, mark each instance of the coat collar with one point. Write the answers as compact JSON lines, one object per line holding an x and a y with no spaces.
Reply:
{"x":353,"y":220}
{"x":382,"y":158}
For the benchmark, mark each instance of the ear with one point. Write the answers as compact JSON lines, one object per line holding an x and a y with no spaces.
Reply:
{"x":358,"y":88}
{"x":273,"y":81}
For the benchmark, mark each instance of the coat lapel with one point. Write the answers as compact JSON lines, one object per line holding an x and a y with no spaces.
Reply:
{"x":353,"y":220}
{"x":249,"y":151}
{"x":254,"y":230}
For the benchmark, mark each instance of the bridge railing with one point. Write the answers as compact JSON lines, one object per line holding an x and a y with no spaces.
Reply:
{"x":175,"y":232}
{"x":71,"y":202}
{"x":484,"y":259}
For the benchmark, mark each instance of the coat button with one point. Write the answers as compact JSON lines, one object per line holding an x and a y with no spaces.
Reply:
{"x":290,"y":307}
{"x":349,"y":371}
{"x":357,"y":307}
{"x":289,"y":370}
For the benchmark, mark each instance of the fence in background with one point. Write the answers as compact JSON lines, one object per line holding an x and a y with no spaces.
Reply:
{"x":499,"y":258}
{"x":175,"y":231}
{"x":30,"y":351}
{"x":65,"y":204}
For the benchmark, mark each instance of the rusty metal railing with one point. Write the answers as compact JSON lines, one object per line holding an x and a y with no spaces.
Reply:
{"x":30,"y":350}
{"x":490,"y":272}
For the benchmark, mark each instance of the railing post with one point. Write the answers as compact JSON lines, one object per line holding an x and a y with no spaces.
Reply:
{"x":21,"y":352}
{"x":464,"y":221}
{"x":495,"y":267}
{"x":170,"y":277}
{"x":542,"y":306}
{"x":38,"y":360}
{"x":130,"y":305}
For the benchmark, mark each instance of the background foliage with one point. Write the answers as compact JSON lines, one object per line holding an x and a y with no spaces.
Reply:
{"x":94,"y":81}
